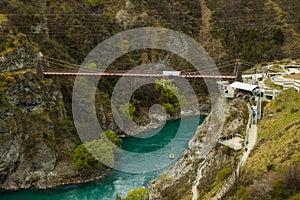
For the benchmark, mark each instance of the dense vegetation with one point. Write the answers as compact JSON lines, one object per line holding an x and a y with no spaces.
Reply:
{"x":137,"y":194}
{"x":253,"y":31}
{"x":256,"y":30}
{"x":84,"y":160}
{"x":68,"y":30}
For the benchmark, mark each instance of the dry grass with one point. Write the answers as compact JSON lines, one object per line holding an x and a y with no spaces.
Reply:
{"x":293,"y":76}
{"x":3,"y":19}
{"x":279,"y":136}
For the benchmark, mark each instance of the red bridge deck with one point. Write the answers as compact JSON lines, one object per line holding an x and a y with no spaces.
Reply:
{"x":135,"y":73}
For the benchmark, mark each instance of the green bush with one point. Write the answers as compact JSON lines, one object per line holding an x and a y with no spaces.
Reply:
{"x":113,"y":137}
{"x":169,"y":108}
{"x":102,"y":150}
{"x":271,"y":167}
{"x":138,"y":194}
{"x":280,"y":191}
{"x":127,"y":111}
{"x":95,"y":3}
{"x":83,"y":159}
{"x":91,"y":66}
{"x":89,"y":155}
{"x":224,"y":173}
{"x":295,"y":196}
{"x":170,"y":97}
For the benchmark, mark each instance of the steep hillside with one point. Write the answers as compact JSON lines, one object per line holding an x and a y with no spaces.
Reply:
{"x":256,"y":30}
{"x":226,"y":119}
{"x":36,"y":114}
{"x":252,"y":30}
{"x":273,"y":168}
{"x":37,"y":134}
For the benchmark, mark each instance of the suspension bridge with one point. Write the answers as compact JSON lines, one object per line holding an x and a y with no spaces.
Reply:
{"x":62,"y":68}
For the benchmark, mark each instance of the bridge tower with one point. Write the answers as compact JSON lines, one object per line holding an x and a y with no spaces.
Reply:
{"x":238,"y":71}
{"x":40,"y":73}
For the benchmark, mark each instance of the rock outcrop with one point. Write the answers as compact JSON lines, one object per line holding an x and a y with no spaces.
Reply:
{"x":205,"y":157}
{"x":21,"y":58}
{"x":183,"y":173}
{"x":36,"y":132}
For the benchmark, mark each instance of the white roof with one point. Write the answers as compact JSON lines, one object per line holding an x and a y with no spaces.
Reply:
{"x":243,"y":86}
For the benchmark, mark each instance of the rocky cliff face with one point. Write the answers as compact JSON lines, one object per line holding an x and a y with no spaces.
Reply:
{"x":21,"y":58}
{"x":36,"y":131}
{"x":205,"y":156}
{"x":183,"y":173}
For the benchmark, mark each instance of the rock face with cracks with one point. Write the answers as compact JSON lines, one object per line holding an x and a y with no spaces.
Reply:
{"x":199,"y":165}
{"x":36,"y":132}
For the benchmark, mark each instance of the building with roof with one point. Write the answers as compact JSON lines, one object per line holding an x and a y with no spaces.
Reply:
{"x":244,"y":87}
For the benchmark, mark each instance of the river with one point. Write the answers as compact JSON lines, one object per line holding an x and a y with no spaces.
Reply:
{"x":119,"y":183}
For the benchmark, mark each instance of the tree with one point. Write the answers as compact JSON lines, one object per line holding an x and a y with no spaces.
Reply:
{"x":83,"y":159}
{"x":91,"y":66}
{"x":113,"y":137}
{"x":89,"y":155}
{"x":138,"y":194}
{"x":102,"y":150}
{"x":170,"y":96}
{"x":127,"y":111}
{"x":145,"y":58}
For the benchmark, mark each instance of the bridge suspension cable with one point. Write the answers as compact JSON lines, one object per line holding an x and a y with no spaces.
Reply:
{"x":208,"y":69}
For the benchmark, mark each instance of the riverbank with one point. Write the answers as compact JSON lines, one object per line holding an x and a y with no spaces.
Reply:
{"x":158,"y":120}
{"x":79,"y":179}
{"x":183,"y":173}
{"x":118,"y":182}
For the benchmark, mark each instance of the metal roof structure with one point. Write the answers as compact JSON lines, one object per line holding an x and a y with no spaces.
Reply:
{"x":243,"y":86}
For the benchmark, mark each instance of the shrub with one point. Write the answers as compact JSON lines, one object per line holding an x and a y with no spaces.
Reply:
{"x":102,"y":150}
{"x":280,"y":191}
{"x":127,"y":111}
{"x":224,"y":173}
{"x":170,"y":96}
{"x":83,"y":159}
{"x":113,"y":137}
{"x":271,"y":167}
{"x":169,"y":108}
{"x":138,"y":194}
{"x":87,"y":156}
{"x":95,"y":3}
{"x":8,"y":79}
{"x":295,"y":197}
{"x":91,"y":66}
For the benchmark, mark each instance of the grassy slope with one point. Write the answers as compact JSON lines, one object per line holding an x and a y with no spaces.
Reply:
{"x":268,"y":82}
{"x":279,"y":135}
{"x":293,"y":76}
{"x":277,"y":149}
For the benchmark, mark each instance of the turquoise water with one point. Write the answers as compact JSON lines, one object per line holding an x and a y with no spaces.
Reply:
{"x":119,"y":183}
